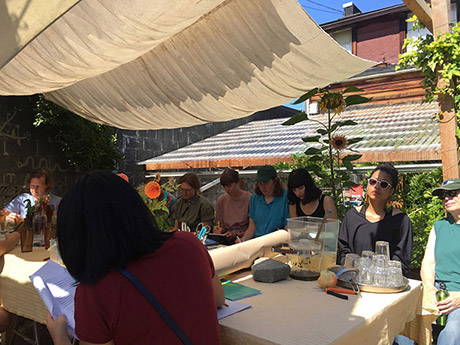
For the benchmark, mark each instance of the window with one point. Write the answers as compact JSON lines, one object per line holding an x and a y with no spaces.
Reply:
{"x":344,"y":38}
{"x":411,"y":33}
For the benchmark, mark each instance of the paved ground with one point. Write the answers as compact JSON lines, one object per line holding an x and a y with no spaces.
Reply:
{"x":25,"y":327}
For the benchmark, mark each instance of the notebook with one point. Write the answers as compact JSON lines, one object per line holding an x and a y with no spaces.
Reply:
{"x":234,"y":291}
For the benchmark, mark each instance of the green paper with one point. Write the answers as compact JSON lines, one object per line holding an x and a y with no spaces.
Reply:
{"x":234,"y":291}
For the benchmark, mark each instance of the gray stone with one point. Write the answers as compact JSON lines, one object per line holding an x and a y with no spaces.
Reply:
{"x":270,"y":271}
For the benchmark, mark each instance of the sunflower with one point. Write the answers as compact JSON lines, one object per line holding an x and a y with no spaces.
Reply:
{"x":152,"y":190}
{"x":339,"y":142}
{"x":332,"y":101}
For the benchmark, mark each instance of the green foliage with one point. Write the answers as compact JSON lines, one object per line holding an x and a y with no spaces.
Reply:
{"x":30,"y":210}
{"x":436,"y":57}
{"x":324,"y":156}
{"x":86,"y":145}
{"x":440,"y":57}
{"x":421,"y":207}
{"x":158,"y":207}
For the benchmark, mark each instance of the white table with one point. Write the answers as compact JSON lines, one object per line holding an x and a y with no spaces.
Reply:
{"x":298,"y":312}
{"x":287,"y":312}
{"x":17,"y":293}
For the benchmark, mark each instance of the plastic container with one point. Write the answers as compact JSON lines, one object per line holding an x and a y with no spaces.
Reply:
{"x":314,"y":243}
{"x":55,"y":255}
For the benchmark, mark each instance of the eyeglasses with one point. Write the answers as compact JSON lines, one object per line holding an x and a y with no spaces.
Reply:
{"x":449,"y":194}
{"x":382,"y":183}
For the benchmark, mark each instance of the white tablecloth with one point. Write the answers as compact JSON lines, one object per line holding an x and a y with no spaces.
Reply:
{"x":299,"y":312}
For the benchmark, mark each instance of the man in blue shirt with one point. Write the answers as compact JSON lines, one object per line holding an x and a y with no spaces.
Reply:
{"x":40,"y":184}
{"x":268,"y":207}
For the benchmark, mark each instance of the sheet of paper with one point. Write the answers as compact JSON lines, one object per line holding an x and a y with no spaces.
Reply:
{"x":56,"y":288}
{"x":231,"y":308}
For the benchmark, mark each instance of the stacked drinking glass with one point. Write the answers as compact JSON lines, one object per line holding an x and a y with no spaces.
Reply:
{"x":376,"y":268}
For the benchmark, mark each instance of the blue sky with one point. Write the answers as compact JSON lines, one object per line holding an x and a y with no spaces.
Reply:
{"x":326,"y":11}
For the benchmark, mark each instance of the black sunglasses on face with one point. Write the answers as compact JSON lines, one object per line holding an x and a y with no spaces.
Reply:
{"x":382,"y":183}
{"x":448,"y":193}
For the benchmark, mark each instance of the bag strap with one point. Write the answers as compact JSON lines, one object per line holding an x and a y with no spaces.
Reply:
{"x":159,"y":308}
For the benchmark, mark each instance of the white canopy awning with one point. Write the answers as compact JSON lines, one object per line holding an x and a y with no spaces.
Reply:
{"x":144,"y":64}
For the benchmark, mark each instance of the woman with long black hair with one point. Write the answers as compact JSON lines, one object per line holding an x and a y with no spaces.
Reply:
{"x":104,"y":226}
{"x":306,"y":199}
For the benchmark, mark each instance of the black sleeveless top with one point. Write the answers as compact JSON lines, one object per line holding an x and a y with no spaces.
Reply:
{"x":319,"y":212}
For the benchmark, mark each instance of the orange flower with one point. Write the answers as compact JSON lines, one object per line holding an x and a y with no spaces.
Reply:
{"x":152,"y":190}
{"x":123,"y":176}
{"x":339,"y":142}
{"x":158,"y":177}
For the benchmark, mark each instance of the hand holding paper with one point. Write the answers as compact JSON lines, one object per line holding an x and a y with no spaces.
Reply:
{"x":56,"y":288}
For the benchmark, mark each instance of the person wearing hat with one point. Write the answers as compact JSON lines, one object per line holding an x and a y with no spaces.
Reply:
{"x":268,"y":207}
{"x":441,"y":262}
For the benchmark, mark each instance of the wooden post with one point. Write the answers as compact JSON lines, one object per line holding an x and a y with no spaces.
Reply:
{"x":441,"y":15}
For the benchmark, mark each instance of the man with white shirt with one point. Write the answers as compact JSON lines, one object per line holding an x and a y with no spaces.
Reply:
{"x":40,"y":184}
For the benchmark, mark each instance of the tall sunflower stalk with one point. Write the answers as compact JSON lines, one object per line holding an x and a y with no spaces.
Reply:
{"x":325,"y":152}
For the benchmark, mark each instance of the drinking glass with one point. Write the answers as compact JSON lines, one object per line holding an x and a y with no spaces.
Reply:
{"x":382,"y":247}
{"x":351,"y":260}
{"x":365,"y":275}
{"x":395,"y":277}
{"x":381,"y":276}
{"x":10,"y":224}
{"x":380,"y":261}
{"x":367,"y":254}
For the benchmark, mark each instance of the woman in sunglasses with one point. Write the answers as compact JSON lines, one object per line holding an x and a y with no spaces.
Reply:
{"x":441,"y":263}
{"x":377,"y":220}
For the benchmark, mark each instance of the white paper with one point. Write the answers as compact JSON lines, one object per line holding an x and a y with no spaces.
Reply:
{"x":56,"y":288}
{"x":230,"y":308}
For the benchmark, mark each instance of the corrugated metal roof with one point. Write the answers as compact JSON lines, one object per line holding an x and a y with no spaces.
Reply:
{"x":393,"y":132}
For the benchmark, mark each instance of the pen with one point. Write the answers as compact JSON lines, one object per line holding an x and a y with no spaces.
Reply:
{"x":17,"y":227}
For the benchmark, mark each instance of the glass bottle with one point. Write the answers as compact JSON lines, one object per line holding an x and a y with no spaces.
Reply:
{"x":53,"y":224}
{"x":441,"y":295}
{"x":39,"y":222}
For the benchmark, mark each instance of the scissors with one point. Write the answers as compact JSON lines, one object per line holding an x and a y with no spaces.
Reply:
{"x":202,"y":234}
{"x":184,"y":227}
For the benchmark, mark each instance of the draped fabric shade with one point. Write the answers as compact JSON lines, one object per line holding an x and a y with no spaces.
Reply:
{"x":142,"y":64}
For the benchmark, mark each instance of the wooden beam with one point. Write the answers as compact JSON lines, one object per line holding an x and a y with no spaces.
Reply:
{"x":447,"y":116}
{"x":400,"y":156}
{"x":422,"y":11}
